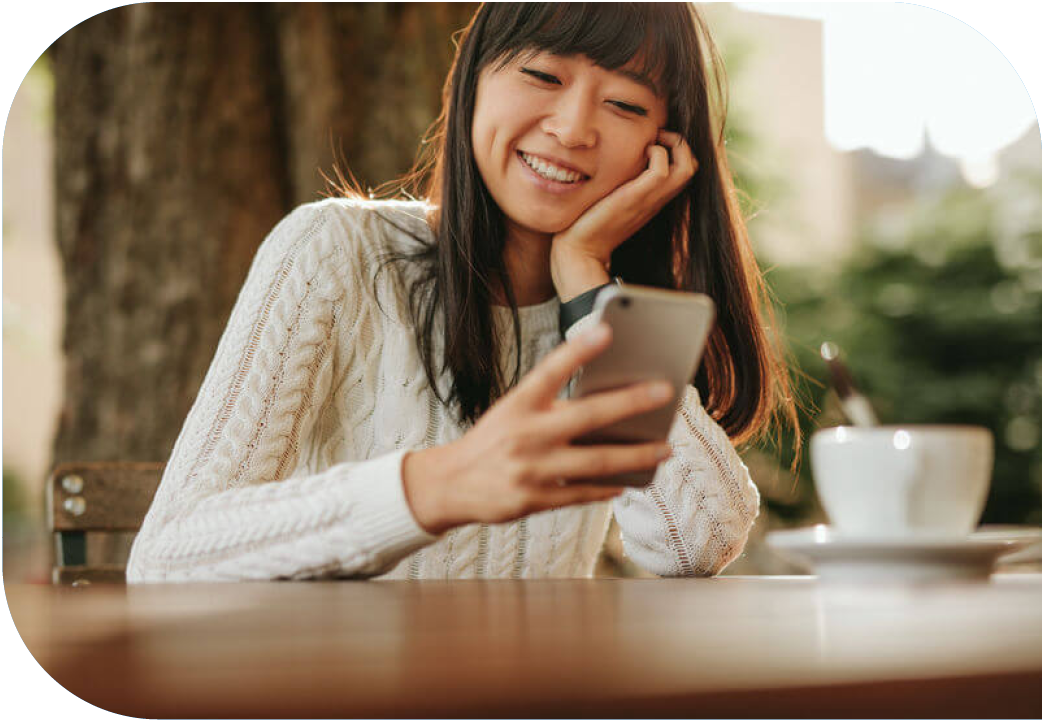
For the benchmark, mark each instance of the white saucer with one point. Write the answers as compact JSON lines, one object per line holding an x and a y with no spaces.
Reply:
{"x":837,"y":557}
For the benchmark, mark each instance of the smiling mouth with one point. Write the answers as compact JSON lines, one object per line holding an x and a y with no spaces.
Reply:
{"x":550,"y":171}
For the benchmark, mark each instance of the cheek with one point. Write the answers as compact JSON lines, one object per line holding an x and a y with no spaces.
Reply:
{"x":489,"y":134}
{"x":638,"y":162}
{"x":483,"y":139}
{"x":631,"y":161}
{"x":479,"y":124}
{"x":484,"y":122}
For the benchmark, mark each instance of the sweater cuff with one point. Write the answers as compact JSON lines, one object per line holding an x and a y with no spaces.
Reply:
{"x":577,"y":328}
{"x":386,"y":525}
{"x":580,"y":306}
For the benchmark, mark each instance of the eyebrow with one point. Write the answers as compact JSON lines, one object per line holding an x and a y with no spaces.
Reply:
{"x":640,"y":79}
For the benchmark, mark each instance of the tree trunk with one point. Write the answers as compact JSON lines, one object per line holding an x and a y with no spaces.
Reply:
{"x":168,"y":171}
{"x":183,"y":133}
{"x":363,"y":82}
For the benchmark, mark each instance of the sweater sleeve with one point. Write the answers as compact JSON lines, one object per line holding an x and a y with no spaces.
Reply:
{"x":237,"y":501}
{"x":694,"y":517}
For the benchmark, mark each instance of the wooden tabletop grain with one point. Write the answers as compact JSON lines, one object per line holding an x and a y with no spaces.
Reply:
{"x":724,"y":647}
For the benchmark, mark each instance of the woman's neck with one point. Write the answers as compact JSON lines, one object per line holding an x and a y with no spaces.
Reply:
{"x":527,"y":260}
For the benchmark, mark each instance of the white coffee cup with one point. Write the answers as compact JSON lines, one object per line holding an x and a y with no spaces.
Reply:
{"x":902,"y":480}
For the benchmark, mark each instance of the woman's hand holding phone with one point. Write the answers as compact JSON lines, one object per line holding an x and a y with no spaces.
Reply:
{"x":518,"y":460}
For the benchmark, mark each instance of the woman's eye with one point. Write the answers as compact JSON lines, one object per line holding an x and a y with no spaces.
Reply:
{"x":541,"y":76}
{"x":547,"y":78}
{"x":635,"y":109}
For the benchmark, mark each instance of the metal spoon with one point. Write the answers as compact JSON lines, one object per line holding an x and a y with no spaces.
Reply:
{"x":854,"y":404}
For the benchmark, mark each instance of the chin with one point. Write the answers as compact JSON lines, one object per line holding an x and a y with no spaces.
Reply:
{"x":548,"y":225}
{"x":553,"y":227}
{"x":548,"y":228}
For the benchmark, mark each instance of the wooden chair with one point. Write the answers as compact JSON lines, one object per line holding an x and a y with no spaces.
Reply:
{"x":96,"y":497}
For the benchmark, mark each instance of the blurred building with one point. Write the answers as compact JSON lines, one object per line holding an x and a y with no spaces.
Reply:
{"x":880,"y":183}
{"x":825,"y":194}
{"x":778,"y":92}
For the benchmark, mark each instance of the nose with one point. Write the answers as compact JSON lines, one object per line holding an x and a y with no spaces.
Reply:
{"x":571,"y":120}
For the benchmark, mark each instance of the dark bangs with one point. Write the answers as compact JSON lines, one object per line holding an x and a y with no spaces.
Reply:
{"x":609,"y":34}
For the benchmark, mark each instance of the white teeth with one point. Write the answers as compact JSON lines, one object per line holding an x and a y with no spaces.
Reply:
{"x":550,"y":171}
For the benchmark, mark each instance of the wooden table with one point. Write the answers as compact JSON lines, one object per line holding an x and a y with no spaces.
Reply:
{"x":725,"y":647}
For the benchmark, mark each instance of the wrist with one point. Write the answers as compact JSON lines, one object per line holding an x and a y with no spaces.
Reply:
{"x":573,"y":276}
{"x":425,"y":478}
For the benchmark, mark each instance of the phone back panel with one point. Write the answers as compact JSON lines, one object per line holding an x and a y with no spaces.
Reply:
{"x":656,"y":334}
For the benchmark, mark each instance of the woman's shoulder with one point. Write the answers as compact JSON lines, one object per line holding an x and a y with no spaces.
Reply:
{"x":358,"y":227}
{"x":364,"y":234}
{"x":339,"y":245}
{"x":367,"y":229}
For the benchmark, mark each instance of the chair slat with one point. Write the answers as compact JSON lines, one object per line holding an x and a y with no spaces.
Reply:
{"x":102,"y":496}
{"x":70,"y":547}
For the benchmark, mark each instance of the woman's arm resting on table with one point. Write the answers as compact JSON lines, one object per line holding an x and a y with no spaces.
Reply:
{"x":233,"y":503}
{"x":695,"y":516}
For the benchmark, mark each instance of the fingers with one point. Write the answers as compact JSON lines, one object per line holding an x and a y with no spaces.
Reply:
{"x":540,"y":387}
{"x":663,"y":178}
{"x":576,"y":464}
{"x":576,"y":417}
{"x":684,"y":162}
{"x":658,"y":162}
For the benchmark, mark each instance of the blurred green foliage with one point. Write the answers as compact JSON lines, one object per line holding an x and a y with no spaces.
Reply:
{"x":15,"y":501}
{"x":939,"y":315}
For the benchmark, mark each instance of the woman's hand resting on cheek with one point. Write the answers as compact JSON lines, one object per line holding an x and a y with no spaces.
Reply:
{"x":624,"y":211}
{"x":517,"y":459}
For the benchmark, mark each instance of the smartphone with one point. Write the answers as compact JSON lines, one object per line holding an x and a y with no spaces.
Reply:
{"x":656,"y":334}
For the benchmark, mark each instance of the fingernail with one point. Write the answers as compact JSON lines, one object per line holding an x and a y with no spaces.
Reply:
{"x":665,"y":452}
{"x":595,"y":335}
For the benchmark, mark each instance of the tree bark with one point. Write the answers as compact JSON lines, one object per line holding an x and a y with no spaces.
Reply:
{"x":167,"y":175}
{"x":183,"y":134}
{"x":363,"y":83}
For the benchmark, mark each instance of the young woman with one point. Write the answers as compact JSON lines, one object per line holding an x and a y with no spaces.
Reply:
{"x":390,"y":397}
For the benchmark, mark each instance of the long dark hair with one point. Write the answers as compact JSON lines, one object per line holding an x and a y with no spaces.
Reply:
{"x":696,"y":243}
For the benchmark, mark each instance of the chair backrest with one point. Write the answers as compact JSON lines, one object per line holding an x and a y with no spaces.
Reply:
{"x":96,"y":497}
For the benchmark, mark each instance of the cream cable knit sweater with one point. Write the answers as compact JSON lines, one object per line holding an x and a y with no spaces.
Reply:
{"x":289,"y":463}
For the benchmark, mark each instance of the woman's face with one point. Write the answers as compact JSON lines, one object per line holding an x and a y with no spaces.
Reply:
{"x":585,"y":130}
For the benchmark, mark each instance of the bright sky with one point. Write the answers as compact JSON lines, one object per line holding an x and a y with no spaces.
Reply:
{"x":895,"y":72}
